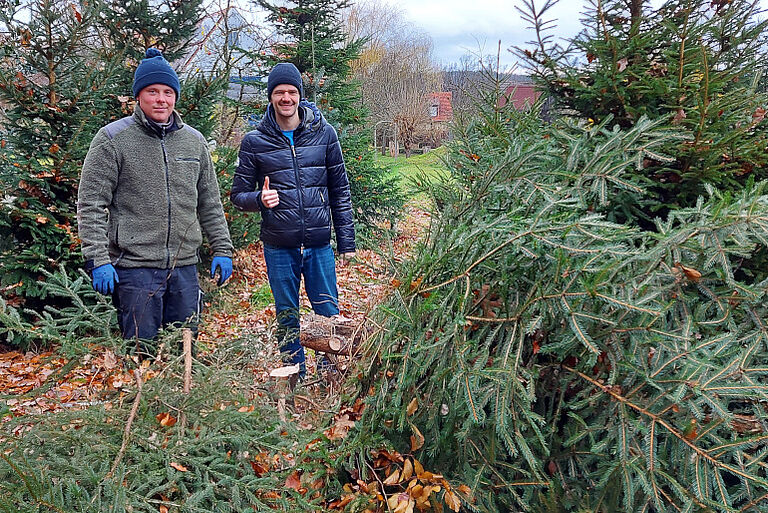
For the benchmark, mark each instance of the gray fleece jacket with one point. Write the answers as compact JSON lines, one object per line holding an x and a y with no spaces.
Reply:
{"x":145,"y":193}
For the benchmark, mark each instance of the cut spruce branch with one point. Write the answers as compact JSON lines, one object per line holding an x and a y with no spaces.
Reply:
{"x":129,"y":423}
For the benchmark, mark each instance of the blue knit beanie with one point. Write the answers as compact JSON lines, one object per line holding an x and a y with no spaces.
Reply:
{"x":154,"y":69}
{"x":284,"y":73}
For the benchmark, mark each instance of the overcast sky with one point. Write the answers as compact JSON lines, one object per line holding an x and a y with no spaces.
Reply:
{"x":460,"y":27}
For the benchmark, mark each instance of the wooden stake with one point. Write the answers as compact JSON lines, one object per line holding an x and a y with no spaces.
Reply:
{"x":187,"y":337}
{"x":187,"y":341}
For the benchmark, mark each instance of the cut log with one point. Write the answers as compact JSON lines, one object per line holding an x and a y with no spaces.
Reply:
{"x":333,"y":344}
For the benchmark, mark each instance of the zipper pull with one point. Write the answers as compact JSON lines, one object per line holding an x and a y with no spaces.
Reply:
{"x":293,"y":150}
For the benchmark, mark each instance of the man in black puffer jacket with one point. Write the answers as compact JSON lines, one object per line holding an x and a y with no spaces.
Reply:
{"x":292,"y":171}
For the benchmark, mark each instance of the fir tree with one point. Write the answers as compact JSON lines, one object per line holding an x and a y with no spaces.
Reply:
{"x":311,"y":37}
{"x":555,"y":361}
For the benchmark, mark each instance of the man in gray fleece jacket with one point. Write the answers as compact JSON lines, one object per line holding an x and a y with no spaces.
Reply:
{"x":147,"y":193}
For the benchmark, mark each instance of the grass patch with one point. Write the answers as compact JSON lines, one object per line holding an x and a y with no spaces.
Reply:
{"x":429,"y":165}
{"x":261,"y":297}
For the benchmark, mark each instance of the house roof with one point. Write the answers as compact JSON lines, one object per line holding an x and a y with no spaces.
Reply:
{"x":522,"y":95}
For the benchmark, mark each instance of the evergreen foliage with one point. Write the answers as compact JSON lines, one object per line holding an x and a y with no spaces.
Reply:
{"x":243,"y":229}
{"x":561,"y":361}
{"x":55,"y":95}
{"x":695,"y":64}
{"x":314,"y":41}
{"x":232,"y":456}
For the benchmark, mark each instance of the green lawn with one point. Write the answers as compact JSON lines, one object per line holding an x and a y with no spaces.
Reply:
{"x":428,"y":164}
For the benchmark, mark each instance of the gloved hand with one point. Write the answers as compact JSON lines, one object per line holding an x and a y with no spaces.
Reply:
{"x":311,"y":106}
{"x":346,"y":257}
{"x":224,"y":264}
{"x":104,"y":279}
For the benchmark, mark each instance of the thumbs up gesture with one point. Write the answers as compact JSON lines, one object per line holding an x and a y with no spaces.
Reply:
{"x":269,"y":196}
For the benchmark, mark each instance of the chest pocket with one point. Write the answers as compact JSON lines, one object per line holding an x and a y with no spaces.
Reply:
{"x":188,"y":168}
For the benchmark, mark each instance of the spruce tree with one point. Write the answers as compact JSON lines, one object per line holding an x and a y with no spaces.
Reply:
{"x":310,"y":35}
{"x":694,"y":63}
{"x":57,"y":87}
{"x":552,"y":360}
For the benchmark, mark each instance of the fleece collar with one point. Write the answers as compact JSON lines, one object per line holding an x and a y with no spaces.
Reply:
{"x":154,"y":127}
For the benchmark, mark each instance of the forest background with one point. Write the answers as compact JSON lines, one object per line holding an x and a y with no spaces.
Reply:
{"x":580,"y":326}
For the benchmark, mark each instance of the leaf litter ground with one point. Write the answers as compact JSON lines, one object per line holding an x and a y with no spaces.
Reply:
{"x":236,"y":312}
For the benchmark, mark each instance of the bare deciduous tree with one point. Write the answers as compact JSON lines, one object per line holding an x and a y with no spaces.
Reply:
{"x":395,"y":68}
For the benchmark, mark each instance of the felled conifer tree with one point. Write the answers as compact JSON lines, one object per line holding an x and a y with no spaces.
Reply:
{"x":696,"y":64}
{"x":552,"y":360}
{"x":311,"y":37}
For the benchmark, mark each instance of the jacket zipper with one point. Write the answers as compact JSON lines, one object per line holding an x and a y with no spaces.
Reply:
{"x":299,"y":189}
{"x":168,"y":191}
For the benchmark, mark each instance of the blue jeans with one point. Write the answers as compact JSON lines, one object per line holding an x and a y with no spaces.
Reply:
{"x":285,"y":266}
{"x":148,"y":299}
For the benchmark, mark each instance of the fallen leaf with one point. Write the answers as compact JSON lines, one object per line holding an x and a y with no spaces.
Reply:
{"x":452,"y":500}
{"x":418,"y":468}
{"x":393,"y":478}
{"x":690,"y":273}
{"x":179,"y":467}
{"x":293,"y":481}
{"x":405,"y":504}
{"x":110,"y":360}
{"x":166,"y":419}
{"x":407,"y":470}
{"x":412,"y":406}
{"x":417,"y":439}
{"x":259,"y":468}
{"x":245,"y":409}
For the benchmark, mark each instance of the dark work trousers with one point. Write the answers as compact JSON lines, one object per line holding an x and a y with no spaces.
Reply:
{"x":148,"y":299}
{"x":285,"y":267}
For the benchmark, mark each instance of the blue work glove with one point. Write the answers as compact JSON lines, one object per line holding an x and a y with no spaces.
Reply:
{"x":225,"y":267}
{"x":104,"y":279}
{"x":311,"y":106}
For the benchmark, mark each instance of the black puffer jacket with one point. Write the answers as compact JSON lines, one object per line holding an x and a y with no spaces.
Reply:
{"x":310,"y":179}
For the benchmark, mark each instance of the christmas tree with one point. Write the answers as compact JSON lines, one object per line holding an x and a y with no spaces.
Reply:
{"x":694,"y":65}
